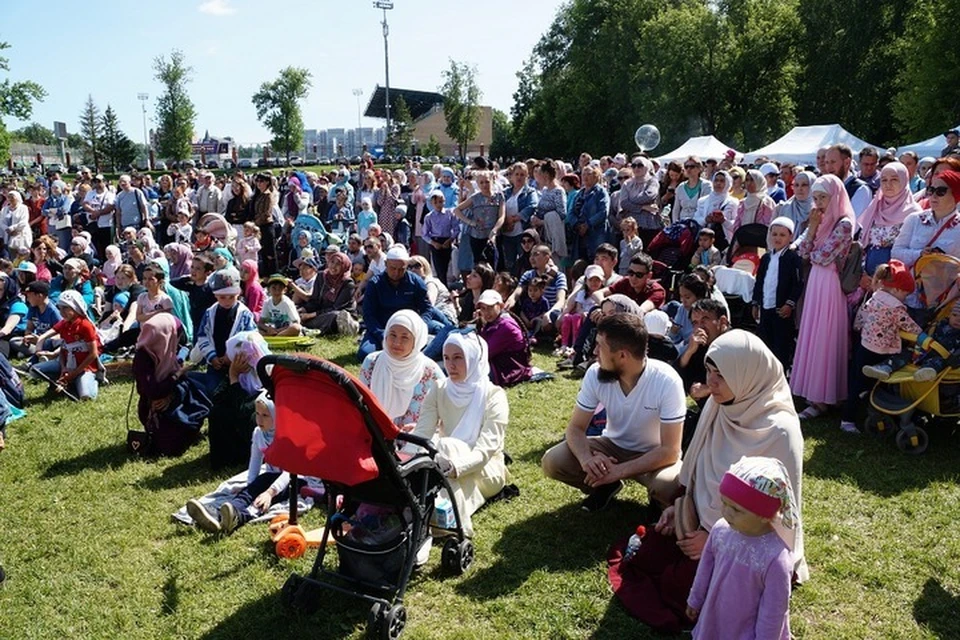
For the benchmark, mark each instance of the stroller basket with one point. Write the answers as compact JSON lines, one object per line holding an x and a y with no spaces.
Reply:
{"x":375,"y":566}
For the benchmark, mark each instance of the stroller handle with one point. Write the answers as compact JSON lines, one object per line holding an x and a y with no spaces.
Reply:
{"x":419,"y":441}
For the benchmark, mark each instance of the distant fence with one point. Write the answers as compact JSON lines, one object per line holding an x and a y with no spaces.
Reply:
{"x":26,"y":152}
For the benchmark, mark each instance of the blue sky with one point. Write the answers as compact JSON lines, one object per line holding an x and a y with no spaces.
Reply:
{"x":106,"y":49}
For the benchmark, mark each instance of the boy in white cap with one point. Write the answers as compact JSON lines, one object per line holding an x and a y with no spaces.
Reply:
{"x":221,"y":321}
{"x":777,"y":289}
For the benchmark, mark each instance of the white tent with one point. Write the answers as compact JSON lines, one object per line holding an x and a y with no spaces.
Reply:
{"x":931,"y":147}
{"x":800,"y":144}
{"x":703,"y":147}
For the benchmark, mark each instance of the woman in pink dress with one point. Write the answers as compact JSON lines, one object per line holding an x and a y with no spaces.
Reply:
{"x":820,"y":363}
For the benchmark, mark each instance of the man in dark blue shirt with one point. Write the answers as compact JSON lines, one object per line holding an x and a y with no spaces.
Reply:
{"x":389,"y":292}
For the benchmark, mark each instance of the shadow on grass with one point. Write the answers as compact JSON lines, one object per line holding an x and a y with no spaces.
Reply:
{"x":337,"y":617}
{"x":182,"y":473}
{"x":617,"y":623}
{"x":552,"y":541}
{"x":876,"y":465}
{"x":108,"y":457}
{"x":937,"y":609}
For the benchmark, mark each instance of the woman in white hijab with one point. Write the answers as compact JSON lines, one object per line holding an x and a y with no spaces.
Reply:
{"x":749,"y":413}
{"x":466,"y":417}
{"x":718,"y":209}
{"x":400,"y":376}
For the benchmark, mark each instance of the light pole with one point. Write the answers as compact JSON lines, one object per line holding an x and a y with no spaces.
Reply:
{"x":143,"y":97}
{"x":357,"y":93}
{"x":385,"y":5}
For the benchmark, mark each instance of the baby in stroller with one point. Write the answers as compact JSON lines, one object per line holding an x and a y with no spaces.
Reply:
{"x":932,"y":354}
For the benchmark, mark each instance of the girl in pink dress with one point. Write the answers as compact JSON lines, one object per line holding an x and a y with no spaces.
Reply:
{"x":742,"y":588}
{"x":823,"y":345}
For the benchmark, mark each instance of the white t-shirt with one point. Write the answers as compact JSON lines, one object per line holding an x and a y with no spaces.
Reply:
{"x":101,"y":201}
{"x":633,"y":421}
{"x":279,"y":316}
{"x":162,"y":302}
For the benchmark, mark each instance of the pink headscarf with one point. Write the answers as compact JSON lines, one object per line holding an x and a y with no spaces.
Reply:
{"x":884,"y":211}
{"x":179,"y":256}
{"x":158,"y":338}
{"x":838,"y":207}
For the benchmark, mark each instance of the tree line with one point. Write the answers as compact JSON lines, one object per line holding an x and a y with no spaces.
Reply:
{"x":745,"y":71}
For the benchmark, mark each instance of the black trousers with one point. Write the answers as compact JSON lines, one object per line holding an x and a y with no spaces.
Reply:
{"x":779,"y":334}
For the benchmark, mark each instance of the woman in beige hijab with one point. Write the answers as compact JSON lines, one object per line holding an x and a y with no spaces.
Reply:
{"x":749,"y":413}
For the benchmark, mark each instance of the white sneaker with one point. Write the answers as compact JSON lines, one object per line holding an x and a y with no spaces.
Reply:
{"x":423,"y":553}
{"x":925,"y":374}
{"x":848,"y":427}
{"x":202,"y":517}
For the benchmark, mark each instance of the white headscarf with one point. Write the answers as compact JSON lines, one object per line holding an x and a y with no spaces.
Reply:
{"x":73,"y":300}
{"x":472,"y":392}
{"x":394,"y":378}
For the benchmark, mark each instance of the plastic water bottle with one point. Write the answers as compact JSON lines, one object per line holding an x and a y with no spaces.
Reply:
{"x":633,"y":544}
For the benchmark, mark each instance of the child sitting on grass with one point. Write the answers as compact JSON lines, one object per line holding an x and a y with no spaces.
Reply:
{"x":76,"y":366}
{"x":263,"y":488}
{"x":533,"y":306}
{"x":279,"y":316}
{"x":742,"y":588}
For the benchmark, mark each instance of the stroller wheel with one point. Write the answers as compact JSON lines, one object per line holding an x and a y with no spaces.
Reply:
{"x":913,"y":441}
{"x":291,"y":546}
{"x":289,"y":590}
{"x":879,"y":424}
{"x":394,"y":622}
{"x":457,"y":556}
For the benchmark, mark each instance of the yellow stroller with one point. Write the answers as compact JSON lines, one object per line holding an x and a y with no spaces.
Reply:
{"x":896,"y":401}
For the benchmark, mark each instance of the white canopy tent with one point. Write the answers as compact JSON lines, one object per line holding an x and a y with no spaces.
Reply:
{"x":800,"y":144}
{"x":703,"y":147}
{"x":930,"y":147}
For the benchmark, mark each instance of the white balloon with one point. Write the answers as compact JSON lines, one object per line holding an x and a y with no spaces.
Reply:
{"x":647,"y":137}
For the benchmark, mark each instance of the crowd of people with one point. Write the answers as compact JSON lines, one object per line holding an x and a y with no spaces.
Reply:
{"x":447,"y":278}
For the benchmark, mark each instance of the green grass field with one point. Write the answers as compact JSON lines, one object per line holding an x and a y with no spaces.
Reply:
{"x":91,"y":552}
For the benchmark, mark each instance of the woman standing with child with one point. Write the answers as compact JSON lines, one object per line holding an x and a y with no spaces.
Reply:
{"x":820,"y":363}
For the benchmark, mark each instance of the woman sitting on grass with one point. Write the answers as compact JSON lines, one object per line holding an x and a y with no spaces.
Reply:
{"x":749,"y":413}
{"x":400,"y":376}
{"x":466,"y":416}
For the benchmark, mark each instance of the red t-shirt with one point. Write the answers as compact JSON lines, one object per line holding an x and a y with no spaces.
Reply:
{"x":76,"y":335}
{"x":653,"y":292}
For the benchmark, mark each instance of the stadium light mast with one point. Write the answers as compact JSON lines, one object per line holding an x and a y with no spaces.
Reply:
{"x":143,"y":97}
{"x":357,"y":93}
{"x":385,"y":5}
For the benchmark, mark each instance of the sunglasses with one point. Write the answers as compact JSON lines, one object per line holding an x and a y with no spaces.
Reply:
{"x":368,"y":246}
{"x":637,"y":274}
{"x":636,"y":165}
{"x":937,"y":191}
{"x":691,"y":166}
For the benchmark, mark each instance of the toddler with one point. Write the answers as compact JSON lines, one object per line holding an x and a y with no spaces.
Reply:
{"x":248,"y":247}
{"x":879,"y":320}
{"x":706,"y":254}
{"x":155,"y":299}
{"x":111,"y":324}
{"x":533,"y":306}
{"x":630,"y":246}
{"x":504,"y":284}
{"x":742,"y":588}
{"x":264,"y":485}
{"x":932,"y":354}
{"x":181,"y":231}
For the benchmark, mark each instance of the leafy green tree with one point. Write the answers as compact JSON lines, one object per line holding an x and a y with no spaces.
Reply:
{"x":175,"y":110}
{"x":502,"y":145}
{"x":278,"y":108}
{"x":927,"y":100}
{"x":118,"y":150}
{"x":432,"y":147}
{"x":461,"y":104}
{"x":16,"y":100}
{"x":34,"y":133}
{"x":399,"y":140}
{"x":91,"y":130}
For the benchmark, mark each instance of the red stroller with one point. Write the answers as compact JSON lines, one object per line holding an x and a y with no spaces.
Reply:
{"x":329,"y":425}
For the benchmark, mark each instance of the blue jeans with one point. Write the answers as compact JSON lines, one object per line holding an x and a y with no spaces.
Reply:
{"x":208,"y":380}
{"x":85,"y":385}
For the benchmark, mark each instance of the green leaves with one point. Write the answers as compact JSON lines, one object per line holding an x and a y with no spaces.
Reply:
{"x":118,"y":150}
{"x":90,"y":130}
{"x":16,"y":99}
{"x":461,"y":103}
{"x":175,"y":111}
{"x":278,"y":107}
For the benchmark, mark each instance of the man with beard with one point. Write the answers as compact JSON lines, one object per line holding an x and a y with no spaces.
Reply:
{"x":645,"y":406}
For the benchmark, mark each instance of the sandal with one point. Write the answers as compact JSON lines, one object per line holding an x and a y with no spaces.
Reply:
{"x":812,"y":411}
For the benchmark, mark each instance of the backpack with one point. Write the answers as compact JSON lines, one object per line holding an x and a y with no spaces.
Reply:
{"x":852,"y":269}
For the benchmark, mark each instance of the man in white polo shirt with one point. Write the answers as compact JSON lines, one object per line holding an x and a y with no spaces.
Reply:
{"x":645,"y":406}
